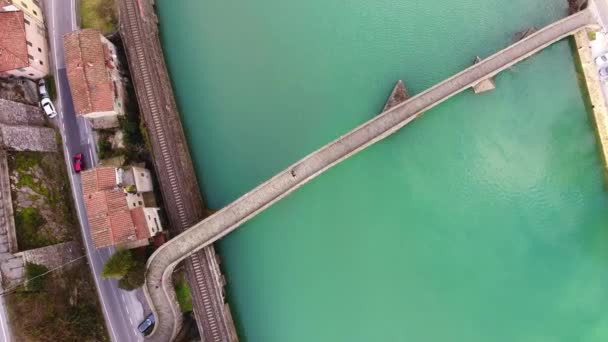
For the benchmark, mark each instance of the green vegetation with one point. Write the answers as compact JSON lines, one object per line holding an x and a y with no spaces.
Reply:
{"x":126,"y":267}
{"x":61,"y":306}
{"x":134,"y":279}
{"x":41,"y":198}
{"x":34,"y":275}
{"x":591,"y":35}
{"x":25,"y":161}
{"x":28,"y":223}
{"x":34,"y":184}
{"x":182,"y":290}
{"x":104,"y":147}
{"x":135,"y":143}
{"x":118,"y":265}
{"x":99,"y":14}
{"x":50,"y":86}
{"x":136,"y":146}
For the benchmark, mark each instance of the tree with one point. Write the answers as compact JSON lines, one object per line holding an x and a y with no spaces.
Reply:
{"x":34,"y":275}
{"x":135,"y":278}
{"x":118,"y":265}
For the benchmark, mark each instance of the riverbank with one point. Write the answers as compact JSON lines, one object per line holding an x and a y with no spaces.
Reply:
{"x":594,"y":98}
{"x":177,"y":179}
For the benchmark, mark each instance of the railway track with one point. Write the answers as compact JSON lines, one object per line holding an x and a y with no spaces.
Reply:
{"x":156,"y":109}
{"x":152,"y":101}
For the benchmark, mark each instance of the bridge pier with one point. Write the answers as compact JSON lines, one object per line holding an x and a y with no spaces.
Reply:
{"x":484,"y":85}
{"x":398,"y":95}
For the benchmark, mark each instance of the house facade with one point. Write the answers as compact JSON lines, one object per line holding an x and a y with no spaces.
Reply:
{"x":114,"y":218}
{"x":31,"y":8}
{"x":93,"y":74}
{"x":23,"y":45}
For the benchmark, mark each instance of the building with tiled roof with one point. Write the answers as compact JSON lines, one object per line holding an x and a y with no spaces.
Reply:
{"x":31,"y":8}
{"x":23,"y":45}
{"x":112,"y":221}
{"x":92,"y":67}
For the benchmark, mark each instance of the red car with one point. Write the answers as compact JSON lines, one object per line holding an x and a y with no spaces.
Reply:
{"x":78,"y":162}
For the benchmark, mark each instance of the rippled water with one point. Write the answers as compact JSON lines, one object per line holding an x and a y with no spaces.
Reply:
{"x":485,"y":220}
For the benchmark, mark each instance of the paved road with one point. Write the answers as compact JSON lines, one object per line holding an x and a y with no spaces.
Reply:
{"x":122,"y":310}
{"x":5,"y":331}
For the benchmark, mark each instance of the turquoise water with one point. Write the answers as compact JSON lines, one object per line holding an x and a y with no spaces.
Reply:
{"x":485,"y":220}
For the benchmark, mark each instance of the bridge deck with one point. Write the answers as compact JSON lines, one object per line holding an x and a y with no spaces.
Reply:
{"x":161,"y":264}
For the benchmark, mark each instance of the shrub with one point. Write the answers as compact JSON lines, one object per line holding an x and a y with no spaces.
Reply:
{"x":28,"y":222}
{"x":134,"y":279}
{"x":50,"y":86}
{"x":118,"y":265}
{"x":184,"y":297}
{"x":34,"y":275}
{"x":99,"y":14}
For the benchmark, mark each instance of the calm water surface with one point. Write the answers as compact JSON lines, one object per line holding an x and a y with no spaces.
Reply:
{"x":485,"y":220}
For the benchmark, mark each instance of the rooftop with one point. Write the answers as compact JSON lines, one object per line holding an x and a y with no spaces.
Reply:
{"x":13,"y":51}
{"x":90,"y":83}
{"x":98,"y":179}
{"x":110,"y":220}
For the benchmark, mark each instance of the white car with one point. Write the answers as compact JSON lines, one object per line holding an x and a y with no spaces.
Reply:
{"x":42,"y":89}
{"x":48,"y":107}
{"x":601,"y":60}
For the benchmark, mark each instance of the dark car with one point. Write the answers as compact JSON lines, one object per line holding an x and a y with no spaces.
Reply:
{"x":147,"y":325}
{"x":78,"y":162}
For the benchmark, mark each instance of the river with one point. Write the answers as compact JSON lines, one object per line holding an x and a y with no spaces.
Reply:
{"x":483,"y":221}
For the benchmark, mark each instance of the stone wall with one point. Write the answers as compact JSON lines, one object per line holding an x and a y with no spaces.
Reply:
{"x":596,"y":96}
{"x":53,"y":256}
{"x":11,"y":266}
{"x":28,"y":138}
{"x":15,"y":113}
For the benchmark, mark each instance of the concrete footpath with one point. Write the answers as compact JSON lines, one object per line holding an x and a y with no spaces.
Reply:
{"x":594,"y":86}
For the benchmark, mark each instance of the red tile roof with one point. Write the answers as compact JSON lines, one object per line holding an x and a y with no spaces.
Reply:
{"x":141,"y":225}
{"x":122,"y":226}
{"x":110,"y":220}
{"x":98,"y":179}
{"x":13,"y":51}
{"x":90,"y":83}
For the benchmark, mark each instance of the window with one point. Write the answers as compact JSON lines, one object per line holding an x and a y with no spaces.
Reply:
{"x":30,"y":56}
{"x":35,"y":13}
{"x":28,"y":43}
{"x":23,"y":4}
{"x":40,"y":62}
{"x":142,"y":174}
{"x":26,"y":21}
{"x":140,"y":202}
{"x":31,"y":74}
{"x":39,"y":50}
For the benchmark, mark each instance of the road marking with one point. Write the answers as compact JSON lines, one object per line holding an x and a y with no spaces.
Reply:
{"x":72,"y":17}
{"x":73,"y":182}
{"x":5,"y":320}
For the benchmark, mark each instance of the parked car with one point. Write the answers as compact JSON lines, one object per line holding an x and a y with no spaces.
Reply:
{"x":78,"y":162}
{"x":147,"y":325}
{"x":47,"y":106}
{"x":42,"y":88}
{"x":601,"y":60}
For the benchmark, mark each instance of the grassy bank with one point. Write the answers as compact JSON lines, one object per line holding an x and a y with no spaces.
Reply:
{"x":44,"y":214}
{"x":99,"y":14}
{"x":182,"y":290}
{"x":60,"y":306}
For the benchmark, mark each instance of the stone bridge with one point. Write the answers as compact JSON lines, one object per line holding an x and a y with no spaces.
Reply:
{"x":159,"y":288}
